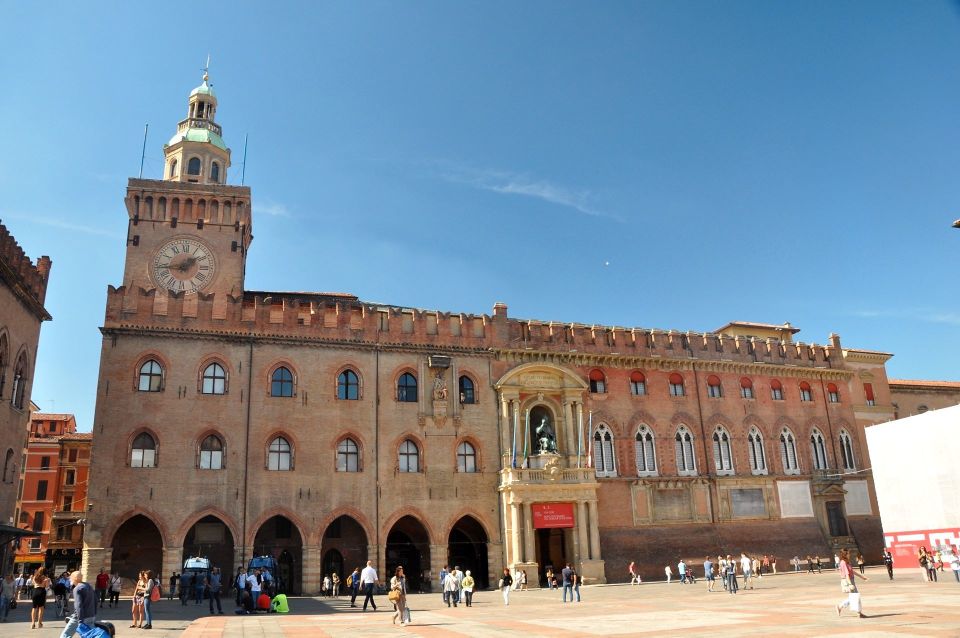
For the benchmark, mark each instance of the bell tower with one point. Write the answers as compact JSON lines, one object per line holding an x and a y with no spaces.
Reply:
{"x":189,"y":231}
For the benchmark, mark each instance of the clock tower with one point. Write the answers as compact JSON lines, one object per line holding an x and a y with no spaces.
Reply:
{"x":189,"y":232}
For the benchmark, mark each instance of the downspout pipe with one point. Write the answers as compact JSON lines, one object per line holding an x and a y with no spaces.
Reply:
{"x":246,"y":454}
{"x":706,"y":455}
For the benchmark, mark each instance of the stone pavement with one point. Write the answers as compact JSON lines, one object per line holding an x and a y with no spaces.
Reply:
{"x":782,"y":605}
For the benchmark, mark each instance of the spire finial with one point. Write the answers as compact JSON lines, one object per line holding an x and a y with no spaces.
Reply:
{"x":206,"y":69}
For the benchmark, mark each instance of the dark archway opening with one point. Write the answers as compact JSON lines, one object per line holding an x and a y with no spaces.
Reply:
{"x":467,"y":549}
{"x":344,"y":537}
{"x":280,"y":538}
{"x":211,"y":538}
{"x":137,"y":545}
{"x":408,"y":544}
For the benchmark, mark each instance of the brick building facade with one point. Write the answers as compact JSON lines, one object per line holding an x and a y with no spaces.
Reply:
{"x":322,"y":429}
{"x":53,"y":498}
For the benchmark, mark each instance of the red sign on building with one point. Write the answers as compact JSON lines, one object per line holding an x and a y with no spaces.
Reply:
{"x":552,"y":515}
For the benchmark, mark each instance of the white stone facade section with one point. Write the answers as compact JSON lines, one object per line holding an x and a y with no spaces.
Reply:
{"x":795,"y":500}
{"x":858,"y":498}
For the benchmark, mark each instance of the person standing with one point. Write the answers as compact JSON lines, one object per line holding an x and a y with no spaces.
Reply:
{"x":836,"y":561}
{"x":214,"y":587}
{"x":668,"y":573}
{"x":398,"y":584}
{"x":523,"y":580}
{"x":731,"y":575}
{"x":860,"y":562}
{"x":682,"y":571}
{"x":451,"y":588}
{"x":566,"y":582}
{"x":174,"y":579}
{"x":575,"y":579}
{"x":443,"y":590}
{"x":955,"y":563}
{"x":708,"y":572}
{"x":369,"y":580}
{"x":888,"y":561}
{"x":40,"y":583}
{"x":185,"y":587}
{"x":240,"y":584}
{"x":506,"y":582}
{"x":336,"y":585}
{"x":819,"y":564}
{"x":746,"y":568}
{"x":199,"y":587}
{"x":848,"y":584}
{"x":19,"y":585}
{"x":116,"y":585}
{"x":102,"y":584}
{"x":255,"y":583}
{"x":84,"y":606}
{"x":353,"y":582}
{"x":8,"y":589}
{"x":136,"y":605}
{"x":468,"y":585}
{"x":148,"y":599}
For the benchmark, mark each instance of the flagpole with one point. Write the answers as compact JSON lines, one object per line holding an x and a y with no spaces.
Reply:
{"x":590,"y":439}
{"x":526,"y":436}
{"x":579,"y":434}
{"x":516,"y":426}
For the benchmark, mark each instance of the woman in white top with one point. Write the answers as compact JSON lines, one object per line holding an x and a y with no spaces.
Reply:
{"x":398,"y":584}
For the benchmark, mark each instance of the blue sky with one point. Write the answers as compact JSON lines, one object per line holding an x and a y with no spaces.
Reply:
{"x":662,"y":165}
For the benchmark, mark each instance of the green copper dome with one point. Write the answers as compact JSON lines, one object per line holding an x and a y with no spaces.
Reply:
{"x":204,"y":89}
{"x":198,"y":135}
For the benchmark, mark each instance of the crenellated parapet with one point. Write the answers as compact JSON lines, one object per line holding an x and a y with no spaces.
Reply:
{"x":150,"y":200}
{"x":26,"y":279}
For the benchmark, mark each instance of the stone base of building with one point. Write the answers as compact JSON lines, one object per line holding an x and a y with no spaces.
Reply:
{"x":93,"y":560}
{"x":592,"y":572}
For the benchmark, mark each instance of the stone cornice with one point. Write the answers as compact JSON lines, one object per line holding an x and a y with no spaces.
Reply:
{"x":866,"y":356}
{"x":579,"y":359}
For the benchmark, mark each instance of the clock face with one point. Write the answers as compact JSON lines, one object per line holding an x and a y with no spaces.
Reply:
{"x":184,"y":265}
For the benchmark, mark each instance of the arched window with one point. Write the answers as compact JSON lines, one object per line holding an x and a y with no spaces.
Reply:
{"x":280,"y":455}
{"x":603,"y":460}
{"x":407,"y":388}
{"x":215,"y":173}
{"x":281,"y":382}
{"x":4,"y":360}
{"x":348,"y":386}
{"x":348,"y":456}
{"x":19,"y":382}
{"x":714,"y":389}
{"x":846,"y":451}
{"x":776,"y":390}
{"x":758,"y":458}
{"x":683,"y":449}
{"x":409,"y":456}
{"x":645,"y":452}
{"x":143,"y":452}
{"x":722,"y":453}
{"x":819,"y":450}
{"x":788,"y":452}
{"x":211,"y":453}
{"x":638,"y":384}
{"x":467,"y":394}
{"x":833,"y":393}
{"x":805,"y":393}
{"x":598,"y":382}
{"x":151,"y":377}
{"x":676,"y":385}
{"x":193,"y":166}
{"x":173,"y":168}
{"x":466,"y":457}
{"x":8,"y":467}
{"x":214,"y":379}
{"x":746,"y":388}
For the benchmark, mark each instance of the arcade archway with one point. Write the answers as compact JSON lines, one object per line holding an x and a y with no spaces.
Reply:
{"x":280,"y":538}
{"x":137,"y":545}
{"x":467,"y":548}
{"x":344,"y":546}
{"x":408,"y":544}
{"x":211,"y":538}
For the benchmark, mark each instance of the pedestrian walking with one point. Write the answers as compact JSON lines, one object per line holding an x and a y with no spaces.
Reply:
{"x":550,"y":578}
{"x":848,"y":584}
{"x":682,"y":571}
{"x":506,"y":582}
{"x":468,"y":584}
{"x":398,"y":596}
{"x":116,"y":586}
{"x":443,"y":590}
{"x":633,"y":573}
{"x":746,"y":566}
{"x":668,"y":573}
{"x":369,"y":580}
{"x":214,"y":588}
{"x":84,"y":606}
{"x":451,"y":589}
{"x":8,"y":592}
{"x":353,"y":584}
{"x":708,"y":572}
{"x":40,"y":583}
{"x":566,"y":581}
{"x":174,"y":579}
{"x":102,"y":583}
{"x":888,"y":561}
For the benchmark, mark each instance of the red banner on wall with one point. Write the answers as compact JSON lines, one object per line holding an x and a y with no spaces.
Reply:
{"x":552,"y":515}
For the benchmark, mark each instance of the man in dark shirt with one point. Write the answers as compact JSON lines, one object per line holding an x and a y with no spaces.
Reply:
{"x":567,"y":576}
{"x":84,"y":606}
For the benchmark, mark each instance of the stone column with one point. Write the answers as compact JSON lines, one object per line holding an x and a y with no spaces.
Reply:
{"x":438,"y":558}
{"x":172,"y":561}
{"x":514,"y":532}
{"x":312,"y":570}
{"x":238,"y":560}
{"x":528,"y":547}
{"x":594,"y":531}
{"x":582,"y":531}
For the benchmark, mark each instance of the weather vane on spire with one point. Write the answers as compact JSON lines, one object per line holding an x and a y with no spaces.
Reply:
{"x":206,"y":69}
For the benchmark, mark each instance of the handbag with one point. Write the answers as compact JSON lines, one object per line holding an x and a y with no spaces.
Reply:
{"x":845,"y":585}
{"x":155,"y":594}
{"x":500,"y":584}
{"x":394,"y":595}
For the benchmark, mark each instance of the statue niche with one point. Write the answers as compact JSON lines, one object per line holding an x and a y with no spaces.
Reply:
{"x":546,"y":436}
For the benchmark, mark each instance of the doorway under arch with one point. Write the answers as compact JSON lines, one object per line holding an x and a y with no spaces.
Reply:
{"x":279,"y":537}
{"x":137,"y":545}
{"x":211,"y":538}
{"x":408,"y":544}
{"x":344,"y":537}
{"x":467,"y":548}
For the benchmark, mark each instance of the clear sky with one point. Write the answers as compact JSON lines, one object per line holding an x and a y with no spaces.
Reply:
{"x":671,"y":164}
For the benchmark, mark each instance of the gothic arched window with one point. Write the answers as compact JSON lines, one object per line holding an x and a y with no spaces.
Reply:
{"x":466,"y":457}
{"x":348,"y":386}
{"x":143,"y":452}
{"x":846,"y":451}
{"x":280,"y":455}
{"x":722,"y":452}
{"x":819,"y":450}
{"x":407,"y":388}
{"x":348,"y":456}
{"x":151,"y":377}
{"x":788,"y":452}
{"x":193,"y":166}
{"x":683,"y":451}
{"x":214,"y":379}
{"x":409,"y":456}
{"x":211,"y":453}
{"x":645,"y":452}
{"x":603,"y":460}
{"x":467,"y":394}
{"x":281,"y":382}
{"x":758,"y":459}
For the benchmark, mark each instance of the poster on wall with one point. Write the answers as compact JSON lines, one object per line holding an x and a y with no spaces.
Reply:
{"x":552,"y":515}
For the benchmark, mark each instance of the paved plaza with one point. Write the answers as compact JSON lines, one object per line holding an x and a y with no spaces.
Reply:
{"x":782,"y":605}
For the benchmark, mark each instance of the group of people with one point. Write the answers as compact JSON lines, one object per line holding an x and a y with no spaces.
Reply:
{"x":934,"y":560}
{"x":254,"y":589}
{"x":457,"y":586}
{"x":331,"y":585}
{"x":197,"y":585}
{"x":749,"y":566}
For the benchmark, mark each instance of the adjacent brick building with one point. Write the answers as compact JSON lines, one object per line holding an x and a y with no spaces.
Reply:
{"x":912,"y":397}
{"x":53,"y":498}
{"x":323,"y":429}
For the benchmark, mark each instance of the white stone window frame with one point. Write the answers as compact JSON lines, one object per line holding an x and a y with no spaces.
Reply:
{"x":645,"y":451}
{"x":757,"y":452}
{"x":818,"y":450}
{"x":723,"y":452}
{"x":684,"y":452}
{"x":788,"y":452}
{"x":846,"y":451}
{"x":604,"y":452}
